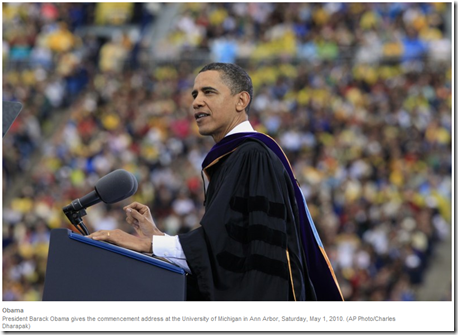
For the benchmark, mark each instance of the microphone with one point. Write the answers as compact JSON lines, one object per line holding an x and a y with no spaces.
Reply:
{"x":113,"y":187}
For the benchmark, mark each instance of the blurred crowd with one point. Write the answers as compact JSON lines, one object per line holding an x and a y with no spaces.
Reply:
{"x":358,"y":95}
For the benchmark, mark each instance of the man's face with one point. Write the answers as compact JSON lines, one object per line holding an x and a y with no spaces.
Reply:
{"x":214,"y":106}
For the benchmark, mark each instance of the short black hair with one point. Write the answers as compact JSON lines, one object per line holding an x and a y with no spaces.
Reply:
{"x":236,"y":78}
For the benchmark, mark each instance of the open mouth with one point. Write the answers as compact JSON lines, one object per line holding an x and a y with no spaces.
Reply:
{"x":199,"y":116}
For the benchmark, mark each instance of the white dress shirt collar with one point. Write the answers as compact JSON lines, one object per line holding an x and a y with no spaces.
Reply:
{"x":244,"y":127}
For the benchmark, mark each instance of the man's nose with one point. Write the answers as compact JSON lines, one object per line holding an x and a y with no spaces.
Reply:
{"x":198,"y":102}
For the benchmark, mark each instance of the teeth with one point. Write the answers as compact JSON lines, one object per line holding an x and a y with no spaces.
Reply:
{"x":200,"y":116}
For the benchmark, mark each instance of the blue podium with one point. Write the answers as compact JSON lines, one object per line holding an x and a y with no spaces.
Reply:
{"x":81,"y":269}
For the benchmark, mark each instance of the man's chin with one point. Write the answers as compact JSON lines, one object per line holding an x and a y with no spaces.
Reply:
{"x":204,"y":132}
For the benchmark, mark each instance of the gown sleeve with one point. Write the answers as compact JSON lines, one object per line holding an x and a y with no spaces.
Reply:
{"x":240,"y":250}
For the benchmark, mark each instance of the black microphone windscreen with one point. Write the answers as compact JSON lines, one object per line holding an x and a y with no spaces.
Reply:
{"x":116,"y":186}
{"x":135,"y":186}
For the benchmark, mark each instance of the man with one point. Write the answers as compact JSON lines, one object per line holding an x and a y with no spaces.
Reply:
{"x":257,"y":240}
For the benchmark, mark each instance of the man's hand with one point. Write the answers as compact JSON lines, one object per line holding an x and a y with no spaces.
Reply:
{"x":123,"y":239}
{"x":139,"y":216}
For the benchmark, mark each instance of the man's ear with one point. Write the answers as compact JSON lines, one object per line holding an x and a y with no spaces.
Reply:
{"x":243,"y":101}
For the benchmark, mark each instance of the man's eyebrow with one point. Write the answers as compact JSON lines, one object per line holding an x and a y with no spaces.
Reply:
{"x":209,"y":88}
{"x":194,"y":92}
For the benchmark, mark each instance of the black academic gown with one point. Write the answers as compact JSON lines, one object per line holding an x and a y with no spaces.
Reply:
{"x":248,"y":246}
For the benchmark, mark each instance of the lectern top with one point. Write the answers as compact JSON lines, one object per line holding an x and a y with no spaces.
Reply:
{"x":126,"y":252}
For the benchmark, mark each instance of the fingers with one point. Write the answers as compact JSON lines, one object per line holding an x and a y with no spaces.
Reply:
{"x":133,"y":222}
{"x":135,"y":205}
{"x":139,"y":217}
{"x":102,"y":235}
{"x":143,"y":209}
{"x":140,"y":208}
{"x":131,"y":217}
{"x":123,"y":239}
{"x":133,"y":213}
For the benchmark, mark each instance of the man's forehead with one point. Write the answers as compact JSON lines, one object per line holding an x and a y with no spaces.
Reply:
{"x":208,"y":78}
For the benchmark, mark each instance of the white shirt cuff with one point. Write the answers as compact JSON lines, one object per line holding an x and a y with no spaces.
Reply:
{"x":169,"y":247}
